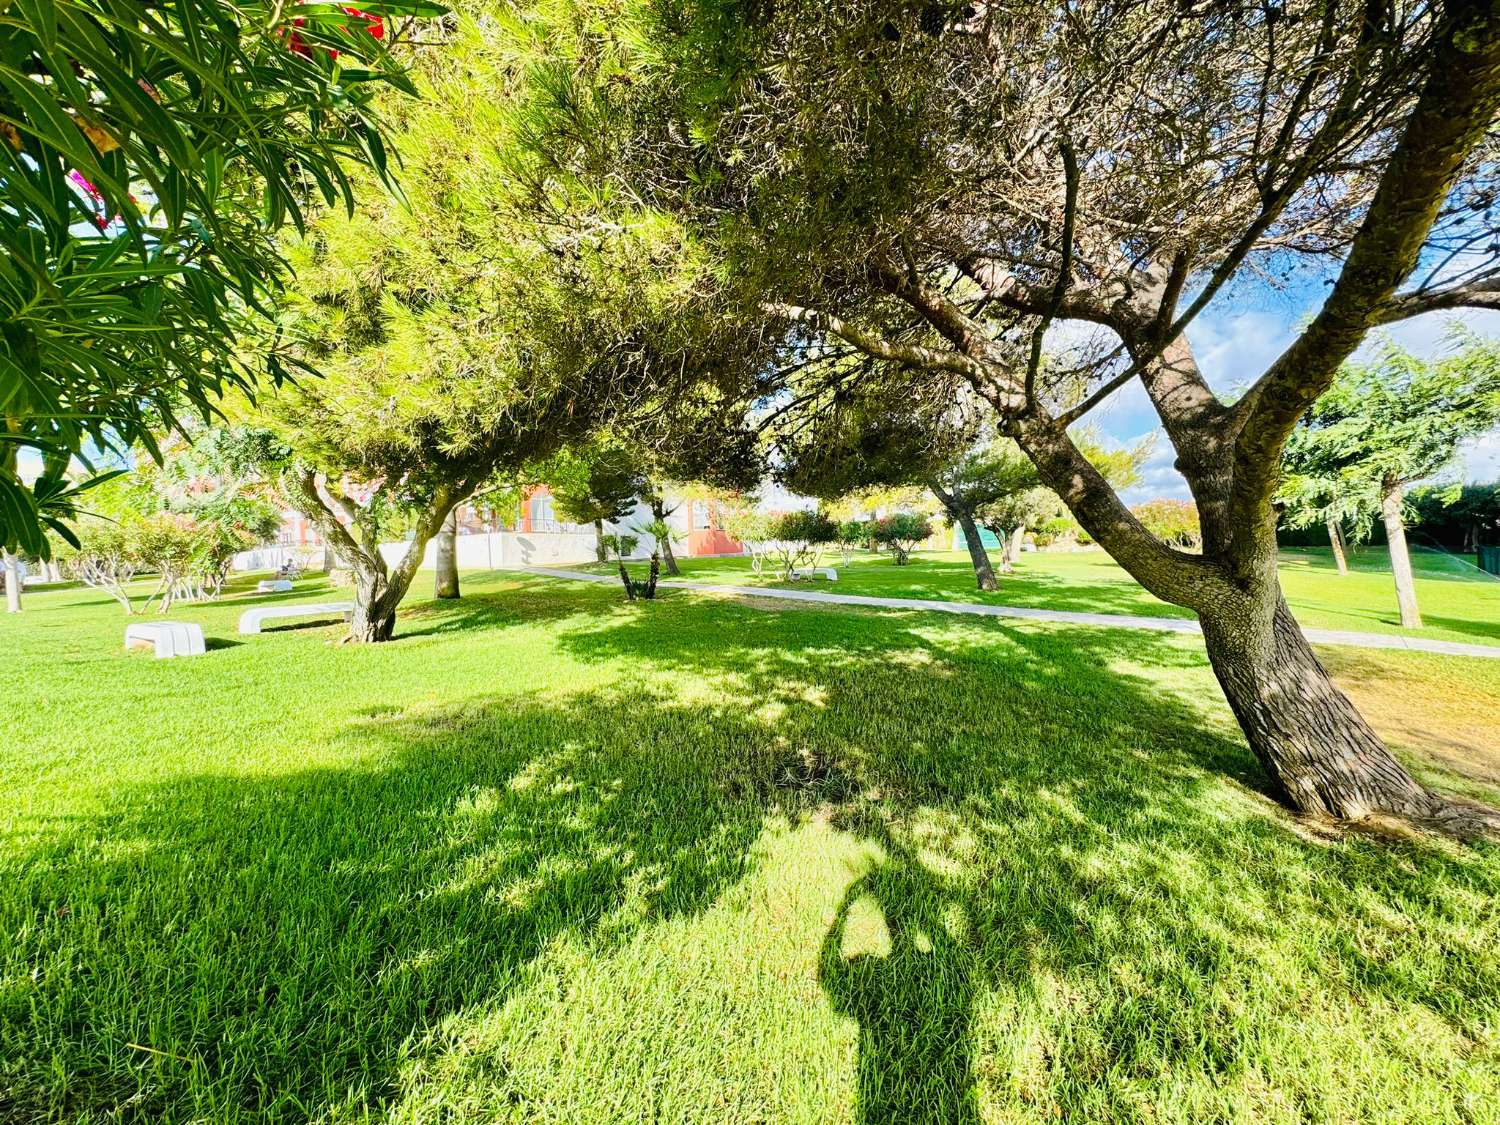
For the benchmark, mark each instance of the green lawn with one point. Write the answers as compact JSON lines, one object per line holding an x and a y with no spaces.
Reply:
{"x":552,"y":857}
{"x":1459,"y":602}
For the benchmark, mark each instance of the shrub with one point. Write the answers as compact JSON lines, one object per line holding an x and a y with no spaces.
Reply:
{"x":900,"y":533}
{"x":1174,"y":522}
{"x":794,"y":539}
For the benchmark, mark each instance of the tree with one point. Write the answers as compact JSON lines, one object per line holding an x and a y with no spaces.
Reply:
{"x":900,"y":533}
{"x":934,"y":187}
{"x":596,"y":484}
{"x":1174,"y":522}
{"x":148,"y":153}
{"x":795,"y":538}
{"x":1461,"y":524}
{"x":445,"y":582}
{"x":1383,"y":426}
{"x":852,"y":533}
{"x":478,"y":329}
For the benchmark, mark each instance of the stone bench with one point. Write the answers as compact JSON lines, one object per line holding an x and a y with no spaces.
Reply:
{"x":826,"y":571}
{"x":251,"y":619}
{"x":168,"y":638}
{"x":273,"y":586}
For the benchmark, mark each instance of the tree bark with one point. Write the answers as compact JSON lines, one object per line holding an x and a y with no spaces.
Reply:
{"x":659,"y":512}
{"x":601,"y":553}
{"x":1308,"y":736}
{"x":378,"y":589}
{"x":446,"y":557}
{"x":1395,"y":535}
{"x":12,"y":583}
{"x":1336,"y":540}
{"x":984,"y":573}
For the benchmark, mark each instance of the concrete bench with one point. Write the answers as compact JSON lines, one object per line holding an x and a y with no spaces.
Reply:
{"x":168,"y":638}
{"x":250,"y":620}
{"x":273,"y":586}
{"x":826,"y":571}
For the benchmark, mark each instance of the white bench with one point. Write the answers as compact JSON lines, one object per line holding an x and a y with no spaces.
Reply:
{"x":250,"y":620}
{"x":168,"y":638}
{"x":273,"y":586}
{"x":826,"y":571}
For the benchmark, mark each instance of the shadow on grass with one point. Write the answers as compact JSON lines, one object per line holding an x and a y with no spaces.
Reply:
{"x":295,"y":944}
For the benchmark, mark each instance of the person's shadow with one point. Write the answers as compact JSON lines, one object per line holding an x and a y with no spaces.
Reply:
{"x":891,"y":963}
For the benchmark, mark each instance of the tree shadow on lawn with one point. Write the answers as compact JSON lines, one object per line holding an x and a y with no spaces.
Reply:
{"x":1049,"y":829}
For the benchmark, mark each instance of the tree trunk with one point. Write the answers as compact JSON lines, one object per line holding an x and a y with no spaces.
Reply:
{"x":1395,"y":535}
{"x":601,"y":553}
{"x":374,"y":607}
{"x":1336,"y":539}
{"x":659,"y":512}
{"x":1311,"y":740}
{"x":12,"y":583}
{"x":984,"y":573}
{"x":446,"y":557}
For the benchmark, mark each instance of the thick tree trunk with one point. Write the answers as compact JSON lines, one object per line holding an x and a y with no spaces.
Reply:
{"x":1014,"y":544}
{"x":659,"y":512}
{"x":1336,"y":540}
{"x":1395,"y":535}
{"x":12,"y":583}
{"x":374,"y":606}
{"x":1317,"y":748}
{"x":601,"y":553}
{"x":446,"y":557}
{"x":984,"y":573}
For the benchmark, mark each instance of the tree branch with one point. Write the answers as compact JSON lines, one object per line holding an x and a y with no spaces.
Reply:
{"x":1456,"y":106}
{"x":1476,"y":295}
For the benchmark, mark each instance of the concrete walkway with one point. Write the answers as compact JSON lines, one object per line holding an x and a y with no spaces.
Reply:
{"x":976,"y":609}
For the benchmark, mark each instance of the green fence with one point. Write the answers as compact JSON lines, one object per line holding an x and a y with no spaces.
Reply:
{"x":1489,"y":559}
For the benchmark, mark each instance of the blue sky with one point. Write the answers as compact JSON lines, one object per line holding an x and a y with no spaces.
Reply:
{"x":1238,"y":336}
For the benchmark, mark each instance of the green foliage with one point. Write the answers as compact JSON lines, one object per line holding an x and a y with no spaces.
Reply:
{"x":148,"y":152}
{"x":803,"y":525}
{"x":620,"y":545}
{"x":899,"y":533}
{"x":1385,"y":425}
{"x":1174,"y":522}
{"x":595,"y":483}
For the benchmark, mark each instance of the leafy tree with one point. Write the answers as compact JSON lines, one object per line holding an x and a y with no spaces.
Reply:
{"x":852,"y":533}
{"x":1174,"y":522}
{"x":794,"y":539}
{"x":900,"y":533}
{"x":934,"y":186}
{"x":597,"y":484}
{"x":1462,"y":524}
{"x":1385,"y":425}
{"x":148,"y":152}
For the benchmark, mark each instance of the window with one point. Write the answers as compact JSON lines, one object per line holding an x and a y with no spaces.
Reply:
{"x":542,"y":517}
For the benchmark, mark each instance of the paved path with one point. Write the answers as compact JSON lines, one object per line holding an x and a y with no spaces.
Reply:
{"x":1110,"y":620}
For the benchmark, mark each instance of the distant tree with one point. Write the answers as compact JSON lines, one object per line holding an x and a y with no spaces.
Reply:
{"x":795,"y":538}
{"x":1174,"y":522}
{"x":595,"y":484}
{"x":852,"y":533}
{"x":1463,"y":523}
{"x":900,"y":533}
{"x":1387,"y":424}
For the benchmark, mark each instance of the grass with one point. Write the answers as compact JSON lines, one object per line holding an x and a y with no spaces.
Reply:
{"x":552,"y":857}
{"x":1459,"y":602}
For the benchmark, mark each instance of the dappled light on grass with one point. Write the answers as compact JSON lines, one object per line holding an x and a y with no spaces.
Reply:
{"x":548,"y":855}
